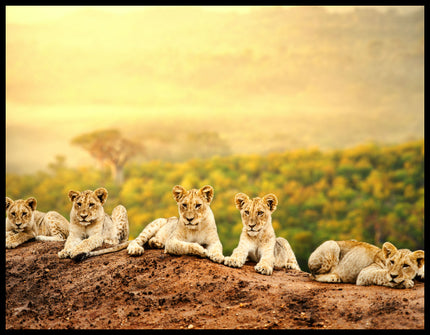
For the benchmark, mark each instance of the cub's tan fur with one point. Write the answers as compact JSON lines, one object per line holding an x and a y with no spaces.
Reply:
{"x":258,"y":241}
{"x":90,"y":226}
{"x":366,"y":264}
{"x":24,"y":222}
{"x":194,"y":232}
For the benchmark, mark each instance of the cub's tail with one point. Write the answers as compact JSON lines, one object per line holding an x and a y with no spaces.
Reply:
{"x":115,"y":248}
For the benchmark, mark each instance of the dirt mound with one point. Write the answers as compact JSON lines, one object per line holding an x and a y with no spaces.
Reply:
{"x":158,"y":290}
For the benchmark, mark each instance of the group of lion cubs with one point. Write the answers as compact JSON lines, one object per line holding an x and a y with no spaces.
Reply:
{"x":195,"y":233}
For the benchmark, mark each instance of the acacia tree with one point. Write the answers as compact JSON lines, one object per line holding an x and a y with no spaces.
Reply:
{"x":110,"y":148}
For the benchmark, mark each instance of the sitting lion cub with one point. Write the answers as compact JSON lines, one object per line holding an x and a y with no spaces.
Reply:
{"x":24,"y":222}
{"x":366,"y":264}
{"x":194,"y":232}
{"x":90,"y":226}
{"x":258,"y":241}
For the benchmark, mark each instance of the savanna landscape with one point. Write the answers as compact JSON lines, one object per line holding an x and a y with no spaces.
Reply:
{"x":322,"y":106}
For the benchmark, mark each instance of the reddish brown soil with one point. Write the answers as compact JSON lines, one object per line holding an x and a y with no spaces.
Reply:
{"x":158,"y":290}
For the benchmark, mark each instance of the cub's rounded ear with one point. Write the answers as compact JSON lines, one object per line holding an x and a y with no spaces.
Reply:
{"x":271,"y":201}
{"x":9,"y":202}
{"x":207,"y":192}
{"x":178,"y":192}
{"x":73,"y":195}
{"x":31,"y":202}
{"x":388,"y":249}
{"x":102,"y":194}
{"x":418,"y":258}
{"x":240,"y":199}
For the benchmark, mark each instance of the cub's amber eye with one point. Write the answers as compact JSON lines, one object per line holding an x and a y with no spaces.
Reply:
{"x":247,"y":212}
{"x":79,"y":204}
{"x":198,"y":205}
{"x":91,"y":204}
{"x":13,"y":214}
{"x":405,"y":265}
{"x":24,"y":214}
{"x":184,"y":205}
{"x":392,"y":262}
{"x":260,"y":213}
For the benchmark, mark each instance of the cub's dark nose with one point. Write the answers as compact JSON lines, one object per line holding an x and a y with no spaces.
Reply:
{"x":394,"y":276}
{"x":190,"y":219}
{"x":84,"y":216}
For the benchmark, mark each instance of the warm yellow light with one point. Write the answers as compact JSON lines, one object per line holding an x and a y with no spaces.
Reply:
{"x":33,"y":14}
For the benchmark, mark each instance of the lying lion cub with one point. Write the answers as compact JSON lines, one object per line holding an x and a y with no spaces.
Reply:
{"x":366,"y":264}
{"x":258,"y":241}
{"x":24,"y":222}
{"x":90,"y":226}
{"x":194,"y":232}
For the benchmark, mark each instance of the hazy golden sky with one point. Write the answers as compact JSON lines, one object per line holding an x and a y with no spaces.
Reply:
{"x":31,"y":14}
{"x":72,"y":69}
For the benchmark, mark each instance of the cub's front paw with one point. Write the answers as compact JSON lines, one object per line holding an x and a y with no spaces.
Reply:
{"x":135,"y":249}
{"x":216,"y":258}
{"x":407,"y":283}
{"x":156,"y":244}
{"x":11,"y":245}
{"x":233,"y":262}
{"x":264,"y":269}
{"x":13,"y":242}
{"x":293,"y":266}
{"x":197,"y":249}
{"x":63,"y":254}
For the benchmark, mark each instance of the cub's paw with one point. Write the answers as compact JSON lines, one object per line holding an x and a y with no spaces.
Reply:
{"x":198,"y":250}
{"x":11,"y":245}
{"x":331,"y":278}
{"x":407,"y":283}
{"x":216,"y":258}
{"x":293,"y":266}
{"x":154,"y":243}
{"x":135,"y":249}
{"x":14,"y":242}
{"x":63,"y":254}
{"x":264,"y":269}
{"x":233,"y":262}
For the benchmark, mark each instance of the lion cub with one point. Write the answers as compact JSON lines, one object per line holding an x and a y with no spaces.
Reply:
{"x":24,"y":222}
{"x":90,"y":226}
{"x":258,"y":241}
{"x":194,"y":232}
{"x":365,"y":264}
